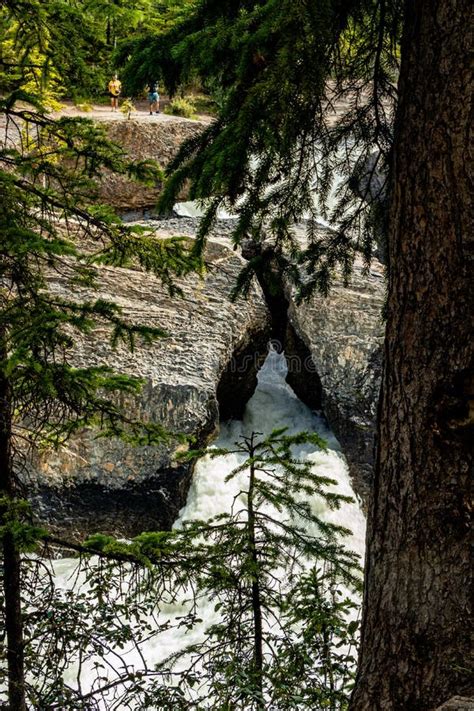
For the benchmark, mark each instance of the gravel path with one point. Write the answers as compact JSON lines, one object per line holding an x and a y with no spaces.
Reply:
{"x":100,"y":112}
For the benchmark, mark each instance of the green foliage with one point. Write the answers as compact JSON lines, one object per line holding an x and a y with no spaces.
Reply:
{"x":276,"y":572}
{"x":16,"y":517}
{"x":82,"y":105}
{"x":127,"y":107}
{"x":67,"y":49}
{"x":145,"y":55}
{"x":273,"y":152}
{"x":100,"y":611}
{"x":205,"y":104}
{"x":181,"y":107}
{"x":251,"y":562}
{"x":316,"y":670}
{"x":147,"y":549}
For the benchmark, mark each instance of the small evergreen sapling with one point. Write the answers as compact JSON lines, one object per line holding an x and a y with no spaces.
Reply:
{"x":252,"y":563}
{"x":127,"y":108}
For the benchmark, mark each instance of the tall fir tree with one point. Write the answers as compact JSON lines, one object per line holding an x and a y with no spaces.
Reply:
{"x":48,"y":222}
{"x":251,"y":562}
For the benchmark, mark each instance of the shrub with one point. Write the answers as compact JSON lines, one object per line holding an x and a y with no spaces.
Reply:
{"x":83,"y":106}
{"x":205,"y":104}
{"x":181,"y":107}
{"x":127,"y":108}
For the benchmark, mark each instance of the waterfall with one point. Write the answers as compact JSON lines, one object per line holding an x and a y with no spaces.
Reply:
{"x":196,"y":209}
{"x":273,"y":405}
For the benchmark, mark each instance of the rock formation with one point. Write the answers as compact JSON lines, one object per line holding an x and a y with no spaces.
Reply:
{"x":333,"y":344}
{"x":105,"y":485}
{"x":158,"y":140}
{"x":333,"y":347}
{"x":458,"y":703}
{"x":338,"y":342}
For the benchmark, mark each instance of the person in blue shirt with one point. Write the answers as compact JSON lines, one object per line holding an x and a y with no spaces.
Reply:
{"x":153,"y":97}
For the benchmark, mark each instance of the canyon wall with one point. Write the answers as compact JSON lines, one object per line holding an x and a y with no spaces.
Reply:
{"x":206,"y":367}
{"x":107,"y":485}
{"x":142,"y":139}
{"x":339,"y":340}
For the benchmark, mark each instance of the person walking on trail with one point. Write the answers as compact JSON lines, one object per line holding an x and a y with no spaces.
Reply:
{"x":115,"y":87}
{"x":153,"y":97}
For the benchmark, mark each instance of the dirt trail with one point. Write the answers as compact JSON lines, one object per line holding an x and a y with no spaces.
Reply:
{"x":104,"y":113}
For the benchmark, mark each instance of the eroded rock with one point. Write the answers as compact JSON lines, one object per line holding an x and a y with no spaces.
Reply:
{"x":106,"y":485}
{"x":343,"y":334}
{"x":333,"y":347}
{"x":156,"y":140}
{"x":458,"y":703}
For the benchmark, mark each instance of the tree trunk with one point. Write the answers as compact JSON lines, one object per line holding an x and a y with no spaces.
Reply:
{"x":11,"y":559}
{"x":415,"y":633}
{"x":256,"y":601}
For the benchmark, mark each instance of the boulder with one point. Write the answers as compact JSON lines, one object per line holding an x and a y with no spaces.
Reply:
{"x":334,"y":344}
{"x":105,"y":485}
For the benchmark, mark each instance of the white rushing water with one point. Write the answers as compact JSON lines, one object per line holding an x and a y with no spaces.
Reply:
{"x":196,"y":209}
{"x":273,"y":405}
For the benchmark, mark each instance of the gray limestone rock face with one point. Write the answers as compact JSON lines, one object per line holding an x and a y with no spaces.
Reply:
{"x":343,"y":335}
{"x":106,"y":485}
{"x":333,"y":347}
{"x":140,"y":140}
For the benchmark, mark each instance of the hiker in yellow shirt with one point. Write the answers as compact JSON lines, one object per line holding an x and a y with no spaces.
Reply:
{"x":115,"y":87}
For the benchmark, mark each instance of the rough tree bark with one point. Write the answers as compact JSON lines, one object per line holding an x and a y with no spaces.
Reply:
{"x":10,"y":555}
{"x":415,"y":633}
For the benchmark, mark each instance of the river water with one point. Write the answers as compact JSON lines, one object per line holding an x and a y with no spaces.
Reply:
{"x":273,"y":405}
